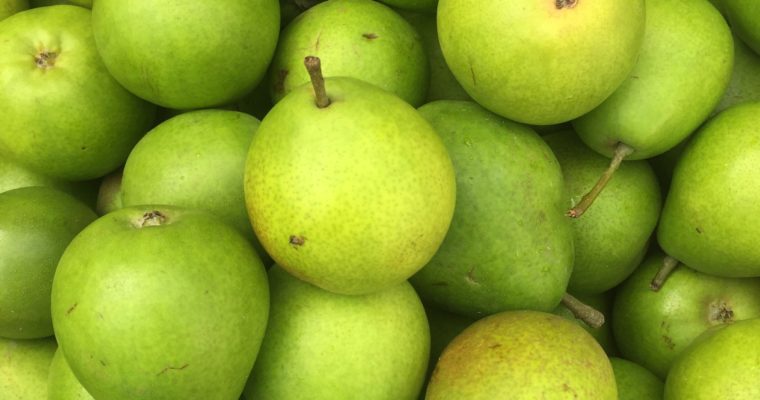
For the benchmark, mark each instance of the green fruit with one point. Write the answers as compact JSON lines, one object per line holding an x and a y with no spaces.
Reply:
{"x":24,"y":366}
{"x":540,"y":62}
{"x":187,"y":54}
{"x":745,"y":78}
{"x":10,"y":7}
{"x":354,"y":197}
{"x":427,"y":6}
{"x":509,"y":246}
{"x":720,"y":364}
{"x":443,"y":85}
{"x":63,"y":115}
{"x":613,"y":235}
{"x":652,"y":328}
{"x":635,"y":382}
{"x":44,"y":3}
{"x":743,"y":16}
{"x":711,"y":217}
{"x":36,"y":225}
{"x":194,"y":160}
{"x":686,"y":59}
{"x":160,"y":303}
{"x":362,"y":39}
{"x":523,"y":355}
{"x":603,"y":303}
{"x":109,"y":193}
{"x":62,"y":384}
{"x":324,"y":345}
{"x":444,"y":327}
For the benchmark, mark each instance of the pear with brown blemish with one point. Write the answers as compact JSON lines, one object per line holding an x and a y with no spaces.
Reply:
{"x":347,"y":186}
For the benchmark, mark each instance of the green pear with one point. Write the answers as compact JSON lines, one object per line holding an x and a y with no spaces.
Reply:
{"x":523,"y":355}
{"x":612,"y":237}
{"x":682,"y":71}
{"x":36,"y":225}
{"x":601,"y":302}
{"x":186,"y":54}
{"x":323,"y":345}
{"x":10,"y":7}
{"x":109,"y":193}
{"x":353,"y":197}
{"x":443,"y":85}
{"x":362,"y":39}
{"x":62,"y":384}
{"x":63,"y":114}
{"x":742,"y":14}
{"x":720,"y":364}
{"x":44,"y":3}
{"x":444,"y":327}
{"x":24,"y":366}
{"x":711,"y":219}
{"x":652,"y":328}
{"x":194,"y":160}
{"x":745,"y":77}
{"x":540,"y":62}
{"x":509,"y":246}
{"x":426,"y":6}
{"x":635,"y":382}
{"x":160,"y":302}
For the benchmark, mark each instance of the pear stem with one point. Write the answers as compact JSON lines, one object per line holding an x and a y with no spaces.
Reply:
{"x":314,"y":67}
{"x":668,"y":265}
{"x":622,"y":151}
{"x":591,"y":316}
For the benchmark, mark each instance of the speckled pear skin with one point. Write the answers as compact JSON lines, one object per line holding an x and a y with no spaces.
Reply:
{"x":24,"y":366}
{"x":509,"y":245}
{"x":523,"y":355}
{"x":635,"y":382}
{"x":537,"y":63}
{"x":612,"y":237}
{"x":743,"y":17}
{"x":720,"y":364}
{"x":683,"y":69}
{"x":711,"y":217}
{"x":62,"y":383}
{"x":353,"y":198}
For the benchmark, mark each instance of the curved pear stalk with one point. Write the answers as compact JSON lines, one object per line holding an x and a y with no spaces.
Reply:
{"x":591,"y":316}
{"x":622,"y":151}
{"x":668,"y":265}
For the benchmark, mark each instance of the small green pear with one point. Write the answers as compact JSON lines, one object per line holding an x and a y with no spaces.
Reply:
{"x":686,"y":59}
{"x":721,"y":364}
{"x":354,"y":194}
{"x":323,"y":345}
{"x":10,"y":7}
{"x":523,"y":355}
{"x":711,"y":217}
{"x":613,"y":236}
{"x":540,"y":62}
{"x":745,"y":77}
{"x":509,"y":246}
{"x":363,"y":39}
{"x":62,"y":384}
{"x":36,"y":225}
{"x":443,"y":85}
{"x":742,"y":14}
{"x":635,"y":382}
{"x":652,"y":328}
{"x":24,"y":368}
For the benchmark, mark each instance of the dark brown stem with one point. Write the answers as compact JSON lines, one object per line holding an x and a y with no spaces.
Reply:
{"x":668,"y":265}
{"x":622,"y":151}
{"x":314,"y":66}
{"x":591,"y":316}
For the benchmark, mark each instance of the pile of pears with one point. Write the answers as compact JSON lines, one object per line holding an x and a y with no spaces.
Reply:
{"x":392,"y":199}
